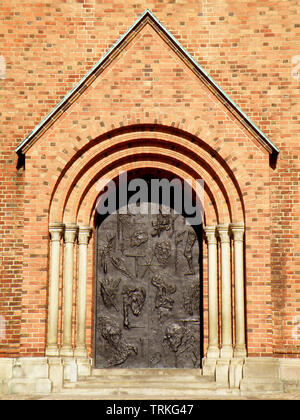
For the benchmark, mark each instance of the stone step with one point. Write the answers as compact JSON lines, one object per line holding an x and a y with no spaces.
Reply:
{"x":260,"y":385}
{"x":88,"y":384}
{"x":149,"y":378}
{"x":141,"y":393}
{"x":143,"y":372}
{"x":144,"y":381}
{"x":143,"y":384}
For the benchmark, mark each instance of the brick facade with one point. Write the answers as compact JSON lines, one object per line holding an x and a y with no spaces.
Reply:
{"x":148,"y":109}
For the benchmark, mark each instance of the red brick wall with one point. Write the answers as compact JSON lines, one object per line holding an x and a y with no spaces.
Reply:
{"x":247,"y":48}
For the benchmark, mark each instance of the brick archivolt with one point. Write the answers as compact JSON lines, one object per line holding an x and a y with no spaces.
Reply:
{"x":73,"y":203}
{"x":76,"y":191}
{"x":91,"y":177}
{"x":85,"y":212}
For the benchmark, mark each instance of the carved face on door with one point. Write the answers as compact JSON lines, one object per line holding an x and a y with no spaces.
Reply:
{"x":148,"y":314}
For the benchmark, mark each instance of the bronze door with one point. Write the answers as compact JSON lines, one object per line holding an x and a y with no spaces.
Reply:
{"x":147,"y":292}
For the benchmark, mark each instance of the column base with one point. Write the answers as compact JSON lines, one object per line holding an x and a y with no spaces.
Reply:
{"x":70,"y":371}
{"x":226,"y":352}
{"x":240,"y":352}
{"x":213,"y":353}
{"x":56,"y":373}
{"x":222,"y":373}
{"x":80,"y":352}
{"x":52,"y":351}
{"x":236,"y":372}
{"x":66,"y":351}
{"x":84,"y":366}
{"x":209,"y":367}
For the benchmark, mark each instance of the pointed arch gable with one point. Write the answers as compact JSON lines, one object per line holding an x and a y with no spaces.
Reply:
{"x":147,"y":18}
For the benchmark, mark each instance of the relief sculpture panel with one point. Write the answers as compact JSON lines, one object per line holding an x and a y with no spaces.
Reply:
{"x":147,"y":292}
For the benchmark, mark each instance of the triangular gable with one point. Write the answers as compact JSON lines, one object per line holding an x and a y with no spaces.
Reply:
{"x":146,"y":18}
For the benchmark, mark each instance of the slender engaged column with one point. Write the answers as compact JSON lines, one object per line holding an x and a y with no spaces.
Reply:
{"x":213,"y":336}
{"x":83,"y":240}
{"x":70,"y":236}
{"x":226,"y":350}
{"x":238,"y":236}
{"x":56,"y":231}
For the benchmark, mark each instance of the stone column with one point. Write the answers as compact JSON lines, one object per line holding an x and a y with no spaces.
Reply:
{"x":213,"y":336}
{"x":226,"y":349}
{"x":70,"y":236}
{"x":237,"y":230}
{"x":56,"y":231}
{"x":83,"y":240}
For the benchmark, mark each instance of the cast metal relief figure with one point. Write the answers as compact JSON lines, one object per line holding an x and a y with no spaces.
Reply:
{"x":182,"y":342}
{"x":163,"y":222}
{"x":118,"y":350}
{"x":163,"y":301}
{"x":155,"y":359}
{"x":119,"y":264}
{"x":138,"y":238}
{"x":178,"y":239}
{"x":133,"y":299}
{"x":191,"y":299}
{"x":123,"y":222}
{"x":105,"y":251}
{"x":162,"y":251}
{"x":191,"y":239}
{"x":109,"y":288}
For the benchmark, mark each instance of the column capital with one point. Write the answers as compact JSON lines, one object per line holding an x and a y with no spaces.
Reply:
{"x":237,"y":230}
{"x":84,"y":235}
{"x":223,"y":233}
{"x":210,"y":232}
{"x":56,"y":230}
{"x":71,"y":231}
